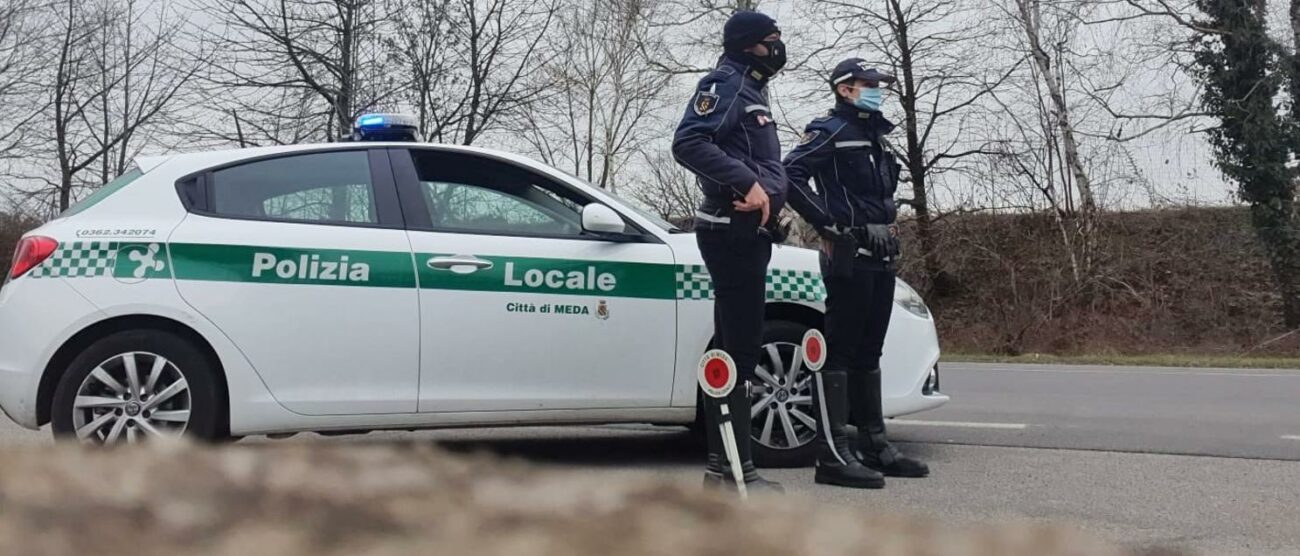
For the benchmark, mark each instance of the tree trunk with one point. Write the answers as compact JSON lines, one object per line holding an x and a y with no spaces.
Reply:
{"x":916,"y":163}
{"x":1276,"y":225}
{"x":1031,"y":19}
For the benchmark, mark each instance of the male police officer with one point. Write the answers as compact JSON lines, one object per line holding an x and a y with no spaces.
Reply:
{"x":728,"y":140}
{"x":852,"y":208}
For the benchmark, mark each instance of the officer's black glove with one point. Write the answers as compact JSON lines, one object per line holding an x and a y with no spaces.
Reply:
{"x":879,"y":241}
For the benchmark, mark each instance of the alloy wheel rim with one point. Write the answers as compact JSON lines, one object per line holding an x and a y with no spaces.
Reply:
{"x":130,"y":397}
{"x":781,"y":401}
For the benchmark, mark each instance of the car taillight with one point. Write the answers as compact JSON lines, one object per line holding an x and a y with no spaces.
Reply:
{"x":31,"y":251}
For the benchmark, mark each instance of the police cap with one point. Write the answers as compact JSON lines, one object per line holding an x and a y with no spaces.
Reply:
{"x":857,"y":68}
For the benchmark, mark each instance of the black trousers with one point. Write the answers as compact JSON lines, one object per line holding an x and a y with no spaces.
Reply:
{"x":858,"y":308}
{"x":738,"y":268}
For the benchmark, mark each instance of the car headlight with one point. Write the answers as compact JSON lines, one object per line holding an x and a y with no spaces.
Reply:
{"x":907,"y":298}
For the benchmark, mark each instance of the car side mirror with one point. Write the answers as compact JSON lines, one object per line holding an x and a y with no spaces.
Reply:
{"x":600,"y":219}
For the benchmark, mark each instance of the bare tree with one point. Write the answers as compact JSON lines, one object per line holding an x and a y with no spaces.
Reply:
{"x":933,"y":47}
{"x":146,"y":82}
{"x":110,"y":82}
{"x":21,"y":60}
{"x":330,"y":51}
{"x":668,"y":189}
{"x":689,"y":27}
{"x":1037,"y":131}
{"x":606,"y":92}
{"x":472,"y":65}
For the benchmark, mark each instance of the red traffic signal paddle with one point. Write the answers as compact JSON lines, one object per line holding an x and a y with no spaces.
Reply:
{"x":717,"y":379}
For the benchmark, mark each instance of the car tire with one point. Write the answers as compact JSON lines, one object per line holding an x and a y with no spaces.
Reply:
{"x":785,"y":336}
{"x":166,"y":366}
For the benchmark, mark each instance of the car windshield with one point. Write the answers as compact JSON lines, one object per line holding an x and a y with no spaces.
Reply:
{"x":635,"y":207}
{"x":658,"y":221}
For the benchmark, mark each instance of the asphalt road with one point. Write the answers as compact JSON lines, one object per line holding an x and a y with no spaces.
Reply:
{"x":1216,"y":412}
{"x":1206,"y":460}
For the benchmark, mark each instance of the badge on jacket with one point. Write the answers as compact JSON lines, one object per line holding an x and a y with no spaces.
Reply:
{"x":706,"y":102}
{"x":809,"y":136}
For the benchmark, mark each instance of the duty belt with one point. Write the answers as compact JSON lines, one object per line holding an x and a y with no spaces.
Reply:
{"x":863,"y":251}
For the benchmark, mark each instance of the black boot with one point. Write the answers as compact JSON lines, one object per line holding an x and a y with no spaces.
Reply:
{"x":717,"y":472}
{"x":836,"y":464}
{"x":872,"y":448}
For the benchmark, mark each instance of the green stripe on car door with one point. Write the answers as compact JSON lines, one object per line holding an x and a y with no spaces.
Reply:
{"x":553,"y":276}
{"x":390,"y":269}
{"x":291,"y":265}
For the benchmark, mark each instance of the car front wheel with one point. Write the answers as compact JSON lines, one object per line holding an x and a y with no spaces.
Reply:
{"x":136,"y":385}
{"x":784,"y":427}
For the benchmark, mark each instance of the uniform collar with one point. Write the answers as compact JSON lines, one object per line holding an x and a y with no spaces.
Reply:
{"x":873,"y":121}
{"x":741,"y":65}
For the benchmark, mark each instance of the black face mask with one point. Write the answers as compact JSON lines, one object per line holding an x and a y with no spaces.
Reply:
{"x":775,"y":59}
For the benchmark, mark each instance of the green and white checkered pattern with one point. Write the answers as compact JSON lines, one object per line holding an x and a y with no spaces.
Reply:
{"x":794,"y":285}
{"x":79,"y":259}
{"x":693,"y":283}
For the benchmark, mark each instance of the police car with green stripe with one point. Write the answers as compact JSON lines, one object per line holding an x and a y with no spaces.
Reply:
{"x":356,"y":286}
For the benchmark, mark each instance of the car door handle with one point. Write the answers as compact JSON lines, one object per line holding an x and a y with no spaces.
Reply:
{"x":460,"y":264}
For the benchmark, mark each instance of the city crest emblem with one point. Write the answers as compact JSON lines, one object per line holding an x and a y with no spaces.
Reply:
{"x":602,"y":310}
{"x":705,"y":103}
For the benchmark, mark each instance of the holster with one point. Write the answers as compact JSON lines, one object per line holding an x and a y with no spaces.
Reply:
{"x":744,"y":225}
{"x":844,"y":250}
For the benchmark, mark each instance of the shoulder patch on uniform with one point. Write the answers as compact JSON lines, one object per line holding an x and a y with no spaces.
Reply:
{"x":724,"y":70}
{"x":809,"y":136}
{"x":705,"y":103}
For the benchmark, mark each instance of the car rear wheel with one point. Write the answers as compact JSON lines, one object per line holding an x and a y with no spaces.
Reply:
{"x":783,"y":429}
{"x":137,"y":385}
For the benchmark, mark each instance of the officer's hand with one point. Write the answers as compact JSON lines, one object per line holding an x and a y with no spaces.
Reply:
{"x":828,"y":247}
{"x":879,"y":239}
{"x":756,"y":199}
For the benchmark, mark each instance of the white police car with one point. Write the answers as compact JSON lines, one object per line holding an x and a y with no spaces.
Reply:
{"x":356,"y":286}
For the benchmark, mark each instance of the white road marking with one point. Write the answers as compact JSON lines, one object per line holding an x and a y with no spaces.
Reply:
{"x":961,"y":424}
{"x":1291,"y":437}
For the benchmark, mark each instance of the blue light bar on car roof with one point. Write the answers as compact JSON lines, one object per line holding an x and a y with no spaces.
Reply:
{"x":385,"y":127}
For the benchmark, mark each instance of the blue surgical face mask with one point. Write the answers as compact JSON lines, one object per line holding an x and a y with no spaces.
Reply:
{"x":868,"y":99}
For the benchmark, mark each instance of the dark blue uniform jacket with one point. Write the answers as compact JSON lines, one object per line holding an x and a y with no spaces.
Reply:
{"x":845,"y":153}
{"x":728,"y":139}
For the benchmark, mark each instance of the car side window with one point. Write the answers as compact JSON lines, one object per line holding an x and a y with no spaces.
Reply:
{"x":332,"y":187}
{"x":472,"y":194}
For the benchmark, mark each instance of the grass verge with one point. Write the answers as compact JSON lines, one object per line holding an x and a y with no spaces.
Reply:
{"x":1147,"y":360}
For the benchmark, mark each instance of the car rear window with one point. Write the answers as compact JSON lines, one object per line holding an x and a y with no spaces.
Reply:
{"x":332,"y":187}
{"x":103,"y":192}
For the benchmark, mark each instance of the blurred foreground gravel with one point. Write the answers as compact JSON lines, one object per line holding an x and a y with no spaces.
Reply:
{"x":334,"y":498}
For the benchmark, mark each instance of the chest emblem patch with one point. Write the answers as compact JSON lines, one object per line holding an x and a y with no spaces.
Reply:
{"x":808,"y":137}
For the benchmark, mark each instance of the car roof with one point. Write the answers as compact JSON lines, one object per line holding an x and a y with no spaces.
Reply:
{"x":185,"y":163}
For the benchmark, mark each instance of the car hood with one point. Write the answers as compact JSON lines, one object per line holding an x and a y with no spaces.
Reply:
{"x":784,"y":257}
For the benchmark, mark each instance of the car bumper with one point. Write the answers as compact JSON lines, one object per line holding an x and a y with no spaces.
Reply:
{"x":910,"y":363}
{"x":36,"y":317}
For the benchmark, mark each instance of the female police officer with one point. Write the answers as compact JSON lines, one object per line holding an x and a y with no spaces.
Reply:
{"x":728,"y":140}
{"x":852,"y":208}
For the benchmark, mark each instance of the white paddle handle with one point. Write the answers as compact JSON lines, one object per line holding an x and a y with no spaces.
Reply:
{"x":733,"y":454}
